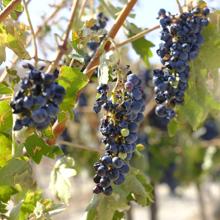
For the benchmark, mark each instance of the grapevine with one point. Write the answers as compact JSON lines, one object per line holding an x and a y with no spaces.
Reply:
{"x":91,"y":105}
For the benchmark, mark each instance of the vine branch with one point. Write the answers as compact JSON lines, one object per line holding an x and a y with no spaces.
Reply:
{"x":179,"y":6}
{"x":63,"y":47}
{"x":135,"y":37}
{"x":79,"y":146}
{"x":112,"y":33}
{"x":8,"y":9}
{"x":32,"y":32}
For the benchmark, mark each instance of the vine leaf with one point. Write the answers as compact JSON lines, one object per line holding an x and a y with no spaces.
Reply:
{"x":60,"y":178}
{"x":5,"y":194}
{"x":37,"y":148}
{"x":73,"y":80}
{"x":141,"y":46}
{"x":13,"y":36}
{"x":5,"y":149}
{"x":12,"y":170}
{"x":200,"y":98}
{"x":4,"y":90}
{"x":5,"y":117}
{"x":135,"y":188}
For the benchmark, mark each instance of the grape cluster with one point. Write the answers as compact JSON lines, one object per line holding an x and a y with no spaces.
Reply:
{"x":124,"y":108}
{"x":37,"y":101}
{"x":100,"y":25}
{"x":181,"y":39}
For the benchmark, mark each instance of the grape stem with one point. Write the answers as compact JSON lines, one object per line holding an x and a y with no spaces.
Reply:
{"x":135,"y":37}
{"x":63,"y":47}
{"x":7,"y":10}
{"x":83,"y":147}
{"x":82,"y":8}
{"x":112,"y":33}
{"x":149,"y":107}
{"x":32,"y":32}
{"x":179,"y":6}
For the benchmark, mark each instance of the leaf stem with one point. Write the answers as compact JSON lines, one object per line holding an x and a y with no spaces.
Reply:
{"x":79,"y":146}
{"x":179,"y":6}
{"x":63,"y":47}
{"x":82,"y":8}
{"x":7,"y":10}
{"x":32,"y":32}
{"x":135,"y":37}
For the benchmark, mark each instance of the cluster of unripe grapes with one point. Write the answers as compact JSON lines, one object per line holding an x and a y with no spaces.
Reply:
{"x":181,"y":36}
{"x":36,"y":103}
{"x":123,"y":108}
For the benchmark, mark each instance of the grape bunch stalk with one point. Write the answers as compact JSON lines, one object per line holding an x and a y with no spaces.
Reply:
{"x":36,"y":103}
{"x":181,"y":40}
{"x":123,"y":111}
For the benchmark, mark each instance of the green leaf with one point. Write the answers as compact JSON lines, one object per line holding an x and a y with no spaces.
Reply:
{"x":6,"y":192}
{"x":12,"y":170}
{"x":104,"y":207}
{"x":60,"y":178}
{"x":5,"y":117}
{"x":19,"y":7}
{"x":141,"y":46}
{"x":136,"y":187}
{"x":200,"y":97}
{"x":73,"y":80}
{"x":17,"y":46}
{"x":37,"y":148}
{"x":4,"y":90}
{"x":13,"y":36}
{"x":5,"y":150}
{"x":2,"y":54}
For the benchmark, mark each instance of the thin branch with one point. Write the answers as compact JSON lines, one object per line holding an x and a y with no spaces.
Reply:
{"x":179,"y":6}
{"x":92,"y":6}
{"x":40,"y":28}
{"x":82,"y":7}
{"x":79,"y":146}
{"x":149,"y":107}
{"x":10,"y":7}
{"x":213,"y":142}
{"x":135,"y":37}
{"x":118,"y":23}
{"x":32,"y":32}
{"x":5,"y":97}
{"x":63,"y":47}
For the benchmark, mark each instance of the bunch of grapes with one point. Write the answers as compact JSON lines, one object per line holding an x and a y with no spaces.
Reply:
{"x":123,"y":108}
{"x":37,"y":101}
{"x":181,"y":36}
{"x":100,"y":25}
